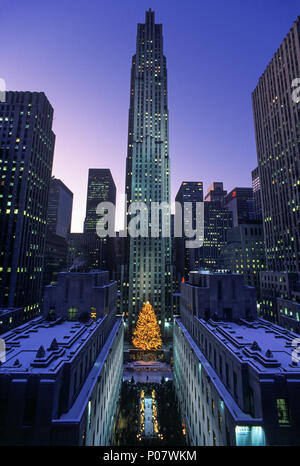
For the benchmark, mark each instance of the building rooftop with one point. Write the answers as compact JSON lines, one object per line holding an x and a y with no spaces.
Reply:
{"x":9,"y":310}
{"x":266,"y":346}
{"x":40,"y":346}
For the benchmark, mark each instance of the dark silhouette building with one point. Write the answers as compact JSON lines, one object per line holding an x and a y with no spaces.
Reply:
{"x":26,"y":155}
{"x":88,"y":248}
{"x":186,"y":258}
{"x":59,"y":215}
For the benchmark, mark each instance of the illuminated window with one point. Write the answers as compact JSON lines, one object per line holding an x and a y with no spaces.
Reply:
{"x":282,"y":412}
{"x":73,"y":313}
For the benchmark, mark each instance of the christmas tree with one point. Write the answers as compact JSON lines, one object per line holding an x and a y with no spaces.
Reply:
{"x":146,"y":335}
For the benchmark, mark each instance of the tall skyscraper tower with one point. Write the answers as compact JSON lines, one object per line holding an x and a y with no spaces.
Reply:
{"x":148,"y":176}
{"x":26,"y":155}
{"x":277,"y":130}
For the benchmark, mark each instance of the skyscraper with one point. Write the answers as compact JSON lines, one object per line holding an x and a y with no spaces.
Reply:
{"x":277,"y":130}
{"x":27,"y":146}
{"x":101,"y":188}
{"x":192,"y":192}
{"x":59,"y":215}
{"x":148,"y":277}
{"x":217,"y":220}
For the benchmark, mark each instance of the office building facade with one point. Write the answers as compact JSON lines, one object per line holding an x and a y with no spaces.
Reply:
{"x":277,"y":131}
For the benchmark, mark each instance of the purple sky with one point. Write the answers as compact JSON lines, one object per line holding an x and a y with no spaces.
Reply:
{"x":79,"y":54}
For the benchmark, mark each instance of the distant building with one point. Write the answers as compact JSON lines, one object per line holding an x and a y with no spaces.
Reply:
{"x":60,"y":382}
{"x":240,"y":202}
{"x":189,"y":192}
{"x":235,"y":378}
{"x":101,"y":188}
{"x":215,"y":192}
{"x":217,"y":221}
{"x":59,"y":216}
{"x":244,"y":252}
{"x":59,"y":211}
{"x":257,"y":194}
{"x":26,"y":156}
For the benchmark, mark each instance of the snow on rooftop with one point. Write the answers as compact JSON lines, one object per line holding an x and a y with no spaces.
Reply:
{"x":23,"y":343}
{"x":267,"y":346}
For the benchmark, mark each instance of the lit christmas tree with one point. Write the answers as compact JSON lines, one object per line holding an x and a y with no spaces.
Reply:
{"x":146,"y":335}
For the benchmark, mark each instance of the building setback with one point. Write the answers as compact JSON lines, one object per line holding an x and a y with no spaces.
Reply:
{"x":60,"y":382}
{"x":148,"y":274}
{"x":26,"y":155}
{"x":234,"y":374}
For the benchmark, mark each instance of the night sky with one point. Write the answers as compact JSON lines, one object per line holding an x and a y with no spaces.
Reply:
{"x":79,"y":53}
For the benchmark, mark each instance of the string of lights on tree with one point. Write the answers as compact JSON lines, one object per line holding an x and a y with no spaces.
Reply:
{"x":147,"y":335}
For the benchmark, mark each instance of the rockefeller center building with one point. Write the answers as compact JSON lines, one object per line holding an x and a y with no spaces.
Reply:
{"x":235,"y":377}
{"x":60,"y":380}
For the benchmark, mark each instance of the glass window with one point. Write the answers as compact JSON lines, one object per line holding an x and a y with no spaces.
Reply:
{"x":282,"y":411}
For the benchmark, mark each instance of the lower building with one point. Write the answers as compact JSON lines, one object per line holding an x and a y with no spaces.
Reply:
{"x":235,"y":377}
{"x":60,"y":381}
